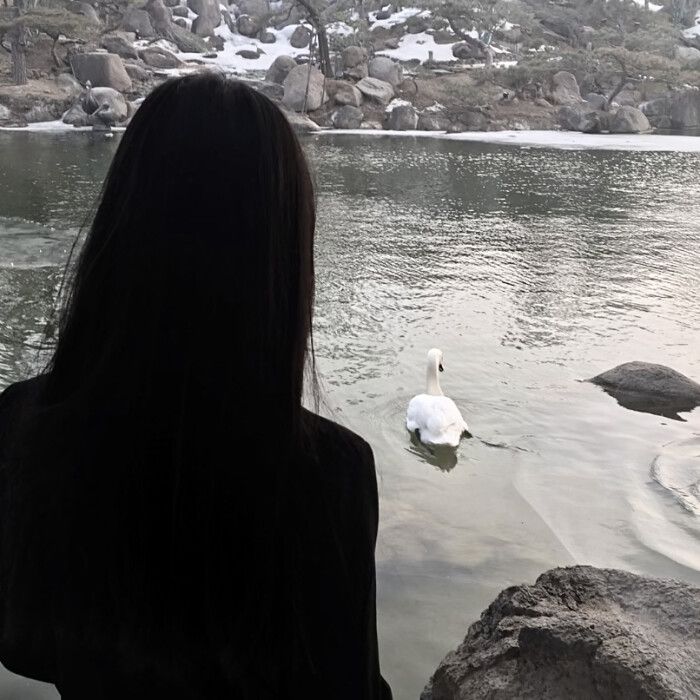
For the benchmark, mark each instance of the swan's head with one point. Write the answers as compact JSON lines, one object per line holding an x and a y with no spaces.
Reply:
{"x":435,"y":358}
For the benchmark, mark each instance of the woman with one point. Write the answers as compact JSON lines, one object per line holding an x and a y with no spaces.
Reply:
{"x":173,"y":523}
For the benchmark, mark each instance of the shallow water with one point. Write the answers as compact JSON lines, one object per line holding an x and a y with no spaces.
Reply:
{"x":531,"y":269}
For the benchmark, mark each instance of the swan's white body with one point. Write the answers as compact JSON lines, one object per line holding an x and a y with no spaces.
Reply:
{"x":436,"y":417}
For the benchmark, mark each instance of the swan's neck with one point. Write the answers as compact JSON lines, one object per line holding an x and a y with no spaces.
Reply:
{"x":433,"y":383}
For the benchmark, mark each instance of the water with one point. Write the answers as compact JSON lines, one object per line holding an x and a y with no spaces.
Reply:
{"x":531,"y":269}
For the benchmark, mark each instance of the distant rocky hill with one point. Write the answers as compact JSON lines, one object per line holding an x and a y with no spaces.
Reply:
{"x":454,"y":65}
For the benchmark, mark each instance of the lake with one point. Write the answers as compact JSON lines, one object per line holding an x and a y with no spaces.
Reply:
{"x":531,"y":268}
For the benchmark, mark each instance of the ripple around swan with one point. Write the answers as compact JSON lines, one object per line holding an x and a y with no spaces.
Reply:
{"x":676,"y":469}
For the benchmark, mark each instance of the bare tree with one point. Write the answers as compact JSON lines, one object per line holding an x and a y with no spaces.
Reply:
{"x":319,"y":25}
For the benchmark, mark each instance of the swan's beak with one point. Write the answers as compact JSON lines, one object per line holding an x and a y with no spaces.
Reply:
{"x":441,"y":368}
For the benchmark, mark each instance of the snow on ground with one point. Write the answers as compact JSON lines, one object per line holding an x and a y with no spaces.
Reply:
{"x":568,"y":140}
{"x":398,"y":17}
{"x":652,"y":6}
{"x":418,"y":46}
{"x":692,"y":31}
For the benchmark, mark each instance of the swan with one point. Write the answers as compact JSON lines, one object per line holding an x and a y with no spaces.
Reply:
{"x":432,"y":415}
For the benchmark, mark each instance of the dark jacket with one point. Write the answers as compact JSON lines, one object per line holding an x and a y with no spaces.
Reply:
{"x":338,"y":602}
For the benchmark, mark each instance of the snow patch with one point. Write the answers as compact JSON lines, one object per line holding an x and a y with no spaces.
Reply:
{"x":398,"y":17}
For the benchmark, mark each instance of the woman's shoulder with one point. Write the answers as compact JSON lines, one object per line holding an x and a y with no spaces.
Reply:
{"x":331,"y":439}
{"x":17,"y":394}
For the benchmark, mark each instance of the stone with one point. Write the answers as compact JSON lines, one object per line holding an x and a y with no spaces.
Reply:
{"x":541,"y":102}
{"x":76,"y":115}
{"x":376,"y":90}
{"x":402,"y":118}
{"x":579,"y":633}
{"x":208,"y":16}
{"x":272,"y":90}
{"x":181,"y":22}
{"x":416,"y":24}
{"x":248,"y":26}
{"x":596,"y":100}
{"x":392,"y":42}
{"x":101,"y":69}
{"x":158,"y":57}
{"x":180,"y":11}
{"x":304,"y":89}
{"x":187,"y":41}
{"x":248,"y":54}
{"x":300,"y":38}
{"x":216,"y":42}
{"x":67,"y":83}
{"x":383,"y":14}
{"x":279,"y":69}
{"x":115,"y":43}
{"x":138,"y":21}
{"x":467,"y":52}
{"x":628,"y":96}
{"x":574,"y":118}
{"x":650,"y":388}
{"x":85,"y":9}
{"x":267,"y":37}
{"x":443,"y":36}
{"x":355,"y":60}
{"x":658,"y":111}
{"x":347,"y":117}
{"x":564,"y":90}
{"x":254,"y":8}
{"x":685,"y":110}
{"x":688,"y":54}
{"x":629,"y":120}
{"x":345,"y":93}
{"x":428,"y":121}
{"x":228,"y":19}
{"x":385,"y":69}
{"x":39,"y":113}
{"x":137,"y":72}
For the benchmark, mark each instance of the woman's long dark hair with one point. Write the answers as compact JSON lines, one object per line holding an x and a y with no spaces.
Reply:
{"x":173,"y":398}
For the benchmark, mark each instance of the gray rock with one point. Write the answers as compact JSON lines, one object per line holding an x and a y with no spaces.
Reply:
{"x":688,"y":54}
{"x":346,"y":94}
{"x":303,"y":87}
{"x":574,"y":118}
{"x":596,"y":100}
{"x":254,"y":8}
{"x":67,"y":83}
{"x":85,"y":9}
{"x":138,"y":21}
{"x":685,"y":110}
{"x":658,"y":111}
{"x":376,"y":90}
{"x":180,"y":11}
{"x":272,"y":90}
{"x":116,"y":43}
{"x":186,"y":41}
{"x":564,"y":89}
{"x":247,"y":53}
{"x":267,"y":37}
{"x":402,"y":118}
{"x":216,"y":42}
{"x":39,"y":113}
{"x":279,"y":69}
{"x":629,"y":96}
{"x":383,"y":14}
{"x":428,"y":121}
{"x":650,"y":388}
{"x":159,"y":58}
{"x":76,"y":116}
{"x":629,"y":120}
{"x":355,"y":60}
{"x":347,"y":117}
{"x":208,"y":16}
{"x":301,"y":123}
{"x":579,"y":633}
{"x":248,"y":26}
{"x":181,"y":22}
{"x":385,"y":69}
{"x":101,"y":69}
{"x":137,"y":72}
{"x":417,"y":24}
{"x":300,"y":38}
{"x":466,"y":52}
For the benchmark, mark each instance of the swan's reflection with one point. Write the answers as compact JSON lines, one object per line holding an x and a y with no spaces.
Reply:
{"x":444,"y":457}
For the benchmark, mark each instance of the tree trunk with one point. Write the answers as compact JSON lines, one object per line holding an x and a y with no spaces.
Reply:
{"x":324,"y":54}
{"x":56,"y":59}
{"x":18,"y":47}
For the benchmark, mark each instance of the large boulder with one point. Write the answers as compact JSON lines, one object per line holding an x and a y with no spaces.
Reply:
{"x":574,"y":118}
{"x":208,"y":16}
{"x":466,"y":51}
{"x":347,"y":117}
{"x":139,"y":22}
{"x":685,"y":110}
{"x":355,"y":60}
{"x":596,"y":100}
{"x":402,"y":117}
{"x":85,"y":9}
{"x":279,"y":69}
{"x":117,"y":43}
{"x":429,"y":121}
{"x":385,"y":69}
{"x":629,"y":120}
{"x":158,"y":57}
{"x":376,"y":90}
{"x":650,"y":388}
{"x":101,"y":69}
{"x":344,"y":93}
{"x":137,"y":71}
{"x":658,"y":111}
{"x":248,"y":26}
{"x":564,"y":89}
{"x":579,"y":633}
{"x":254,"y":8}
{"x":304,"y":89}
{"x":688,"y":54}
{"x":301,"y":123}
{"x":301,"y":37}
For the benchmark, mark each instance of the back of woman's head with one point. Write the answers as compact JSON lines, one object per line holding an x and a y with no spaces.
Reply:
{"x":172,"y":409}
